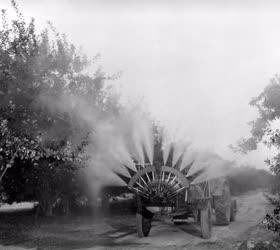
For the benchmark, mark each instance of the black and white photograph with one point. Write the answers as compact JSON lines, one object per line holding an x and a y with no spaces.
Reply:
{"x":139,"y":124}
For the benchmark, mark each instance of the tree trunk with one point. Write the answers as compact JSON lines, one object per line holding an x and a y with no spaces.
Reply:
{"x":66,"y":206}
{"x":48,"y":209}
{"x":45,"y":206}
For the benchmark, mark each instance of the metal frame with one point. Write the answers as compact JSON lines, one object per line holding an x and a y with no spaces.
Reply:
{"x":158,"y":174}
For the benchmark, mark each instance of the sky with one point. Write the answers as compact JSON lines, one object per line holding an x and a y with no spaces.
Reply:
{"x":196,"y":64}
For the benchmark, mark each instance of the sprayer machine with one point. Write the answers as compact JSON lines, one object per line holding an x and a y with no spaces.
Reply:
{"x":166,"y":190}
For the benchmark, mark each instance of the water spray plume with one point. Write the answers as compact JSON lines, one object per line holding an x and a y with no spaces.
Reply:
{"x":166,"y":147}
{"x":130,"y":171}
{"x":124,"y":178}
{"x":142,"y":136}
{"x":186,"y":168}
{"x":178,"y":163}
{"x":147,"y":139}
{"x":194,"y":176}
{"x":166,"y":152}
{"x":169,"y":159}
{"x":116,"y":143}
{"x":139,"y":153}
{"x":180,"y":148}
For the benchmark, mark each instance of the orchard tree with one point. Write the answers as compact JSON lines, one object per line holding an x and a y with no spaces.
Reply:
{"x":39,"y":144}
{"x":265,"y":129}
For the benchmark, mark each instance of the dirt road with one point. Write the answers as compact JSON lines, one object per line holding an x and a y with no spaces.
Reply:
{"x":119,"y":232}
{"x":251,"y":210}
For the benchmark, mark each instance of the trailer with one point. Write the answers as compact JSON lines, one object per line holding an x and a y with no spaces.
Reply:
{"x":167,"y":190}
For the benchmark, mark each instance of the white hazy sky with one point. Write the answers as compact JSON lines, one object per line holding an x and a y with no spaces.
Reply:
{"x":196,"y":63}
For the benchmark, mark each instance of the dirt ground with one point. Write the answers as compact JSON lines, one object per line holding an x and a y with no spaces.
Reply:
{"x":119,"y":232}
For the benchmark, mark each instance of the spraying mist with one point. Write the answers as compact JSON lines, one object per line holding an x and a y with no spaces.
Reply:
{"x":127,"y":137}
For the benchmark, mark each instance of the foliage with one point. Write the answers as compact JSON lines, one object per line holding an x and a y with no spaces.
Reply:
{"x":264,"y":130}
{"x":42,"y":141}
{"x":246,"y":178}
{"x":272,"y":221}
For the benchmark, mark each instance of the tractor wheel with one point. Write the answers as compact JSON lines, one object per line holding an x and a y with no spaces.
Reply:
{"x":143,"y":225}
{"x":233,"y":210}
{"x":206,"y":221}
{"x":223,"y":207}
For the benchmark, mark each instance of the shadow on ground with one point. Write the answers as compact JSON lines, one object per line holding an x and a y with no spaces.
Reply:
{"x":64,"y":233}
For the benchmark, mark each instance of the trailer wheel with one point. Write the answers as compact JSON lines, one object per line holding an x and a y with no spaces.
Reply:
{"x":143,"y":225}
{"x":206,"y":221}
{"x":233,"y":210}
{"x":223,"y":207}
{"x":178,"y":223}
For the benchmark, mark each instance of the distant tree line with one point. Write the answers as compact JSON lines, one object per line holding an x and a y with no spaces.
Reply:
{"x":247,"y":178}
